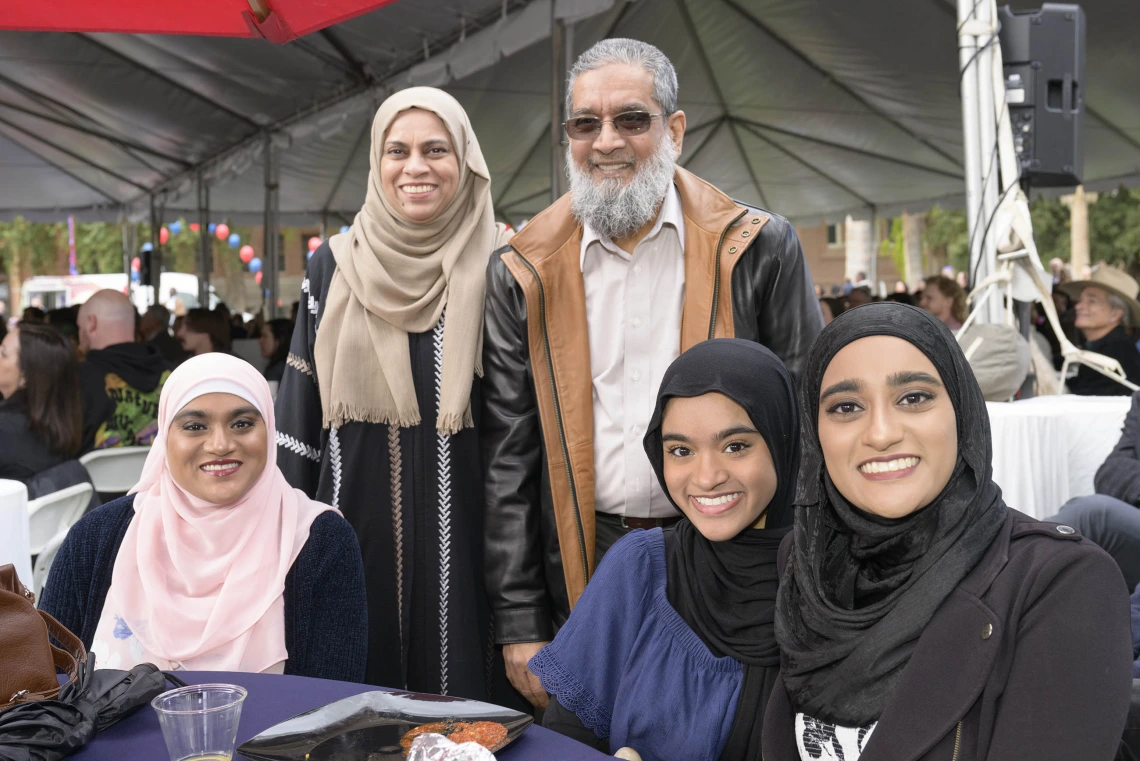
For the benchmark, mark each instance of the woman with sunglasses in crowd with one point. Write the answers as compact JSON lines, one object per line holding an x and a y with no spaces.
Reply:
{"x":670,"y":651}
{"x":918,"y":616}
{"x":376,"y":402}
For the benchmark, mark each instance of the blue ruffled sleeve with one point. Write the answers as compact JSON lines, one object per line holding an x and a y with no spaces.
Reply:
{"x":584,"y":664}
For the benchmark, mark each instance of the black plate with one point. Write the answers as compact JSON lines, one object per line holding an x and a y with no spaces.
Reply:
{"x":368,"y":727}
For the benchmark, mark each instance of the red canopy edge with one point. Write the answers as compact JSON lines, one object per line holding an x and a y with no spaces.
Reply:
{"x":285,"y":20}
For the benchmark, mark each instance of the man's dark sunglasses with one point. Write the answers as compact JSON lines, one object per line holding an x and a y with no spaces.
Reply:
{"x":627,"y":124}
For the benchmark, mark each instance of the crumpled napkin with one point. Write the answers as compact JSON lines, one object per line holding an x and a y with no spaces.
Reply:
{"x":433,"y":747}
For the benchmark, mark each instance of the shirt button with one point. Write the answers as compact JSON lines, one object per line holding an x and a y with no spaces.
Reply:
{"x":637,"y":322}
{"x":636,"y":375}
{"x":637,"y":269}
{"x":637,"y":430}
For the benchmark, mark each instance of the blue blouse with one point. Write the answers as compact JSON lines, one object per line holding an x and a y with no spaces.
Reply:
{"x":632,"y":670}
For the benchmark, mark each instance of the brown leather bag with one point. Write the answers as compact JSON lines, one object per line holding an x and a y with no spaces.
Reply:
{"x":28,"y":659}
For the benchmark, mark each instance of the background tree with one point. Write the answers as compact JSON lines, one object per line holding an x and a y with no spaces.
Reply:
{"x":1114,"y":227}
{"x":945,"y":233}
{"x":1050,"y":229}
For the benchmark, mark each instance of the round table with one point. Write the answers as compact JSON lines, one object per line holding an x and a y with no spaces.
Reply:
{"x":1047,"y":450}
{"x":274,"y":698}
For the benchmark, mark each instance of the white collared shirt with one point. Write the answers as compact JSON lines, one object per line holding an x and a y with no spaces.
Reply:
{"x":633,"y":309}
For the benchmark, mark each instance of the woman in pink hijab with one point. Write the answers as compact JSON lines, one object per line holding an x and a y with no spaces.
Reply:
{"x":212,"y":562}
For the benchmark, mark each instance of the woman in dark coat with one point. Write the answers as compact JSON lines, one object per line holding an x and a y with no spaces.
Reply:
{"x":671,"y":651}
{"x":918,"y":616}
{"x":378,"y":397}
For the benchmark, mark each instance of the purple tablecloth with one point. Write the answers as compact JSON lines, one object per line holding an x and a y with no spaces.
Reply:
{"x":272,"y":699}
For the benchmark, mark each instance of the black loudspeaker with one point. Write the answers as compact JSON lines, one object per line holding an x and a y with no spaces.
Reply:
{"x":1043,"y":53}
{"x":147,"y":275}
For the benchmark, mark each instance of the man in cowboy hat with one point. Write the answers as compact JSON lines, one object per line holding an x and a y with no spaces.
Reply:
{"x":1106,"y":311}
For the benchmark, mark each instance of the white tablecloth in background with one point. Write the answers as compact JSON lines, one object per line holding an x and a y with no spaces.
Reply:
{"x":1047,"y":450}
{"x":15,"y":536}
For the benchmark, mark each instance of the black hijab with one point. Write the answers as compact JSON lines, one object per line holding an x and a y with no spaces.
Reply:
{"x":726,"y":591}
{"x":860,"y":589}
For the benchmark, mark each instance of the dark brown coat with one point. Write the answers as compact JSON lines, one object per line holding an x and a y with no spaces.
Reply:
{"x":1029,"y":658}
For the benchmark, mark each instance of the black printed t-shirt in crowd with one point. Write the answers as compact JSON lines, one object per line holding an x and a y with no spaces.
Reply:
{"x":121,"y":385}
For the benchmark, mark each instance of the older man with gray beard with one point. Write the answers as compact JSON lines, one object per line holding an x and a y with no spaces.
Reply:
{"x":586,"y":308}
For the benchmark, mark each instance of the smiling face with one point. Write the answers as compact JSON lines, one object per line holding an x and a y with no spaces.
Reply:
{"x":606,"y":92}
{"x":886,"y":426}
{"x":1096,"y":317}
{"x":217,"y":447}
{"x":419,"y":169}
{"x":717,"y":466}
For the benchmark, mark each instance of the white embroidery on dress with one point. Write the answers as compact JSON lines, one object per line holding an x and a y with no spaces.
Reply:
{"x":298,"y":447}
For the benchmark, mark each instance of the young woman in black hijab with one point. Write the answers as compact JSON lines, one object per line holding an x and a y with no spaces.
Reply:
{"x":671,"y":649}
{"x":918,"y":617}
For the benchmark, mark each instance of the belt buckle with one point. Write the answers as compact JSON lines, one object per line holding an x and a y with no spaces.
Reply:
{"x":623,"y":524}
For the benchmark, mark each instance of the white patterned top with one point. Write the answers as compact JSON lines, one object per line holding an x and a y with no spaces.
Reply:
{"x":115,"y":646}
{"x":820,"y":741}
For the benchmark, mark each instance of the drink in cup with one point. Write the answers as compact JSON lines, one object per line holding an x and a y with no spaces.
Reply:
{"x":200,"y":722}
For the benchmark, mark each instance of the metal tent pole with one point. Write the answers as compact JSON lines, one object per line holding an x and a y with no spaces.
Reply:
{"x":876,"y":244}
{"x":128,"y":245}
{"x":205,"y":260}
{"x":987,"y":134}
{"x":154,"y":276}
{"x":967,"y":49}
{"x":272,"y":200}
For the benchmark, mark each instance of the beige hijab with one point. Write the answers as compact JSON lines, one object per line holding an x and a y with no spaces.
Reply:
{"x":395,"y":277}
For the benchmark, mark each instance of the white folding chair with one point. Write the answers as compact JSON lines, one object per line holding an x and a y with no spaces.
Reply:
{"x":44,"y":561}
{"x":55,"y":513}
{"x":117,"y":470}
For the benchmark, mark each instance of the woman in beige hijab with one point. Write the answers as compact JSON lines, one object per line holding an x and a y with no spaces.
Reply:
{"x":375,"y":407}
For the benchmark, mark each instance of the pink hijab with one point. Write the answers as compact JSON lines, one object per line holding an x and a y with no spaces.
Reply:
{"x":200,"y":584}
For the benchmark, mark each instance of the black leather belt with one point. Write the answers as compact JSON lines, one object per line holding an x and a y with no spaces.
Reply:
{"x":635,"y":523}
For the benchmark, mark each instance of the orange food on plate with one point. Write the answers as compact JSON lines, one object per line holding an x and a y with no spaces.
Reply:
{"x":439,"y":727}
{"x":490,"y":734}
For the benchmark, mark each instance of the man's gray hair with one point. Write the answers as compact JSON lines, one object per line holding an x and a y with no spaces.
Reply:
{"x":1115,"y":302}
{"x":632,"y":53}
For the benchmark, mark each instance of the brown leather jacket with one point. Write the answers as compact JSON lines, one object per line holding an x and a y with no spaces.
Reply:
{"x":745,"y":276}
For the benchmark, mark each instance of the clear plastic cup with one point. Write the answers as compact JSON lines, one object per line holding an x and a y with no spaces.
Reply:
{"x":200,"y":722}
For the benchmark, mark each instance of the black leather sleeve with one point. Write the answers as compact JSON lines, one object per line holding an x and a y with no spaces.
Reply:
{"x":511,"y":438}
{"x":772,"y":288}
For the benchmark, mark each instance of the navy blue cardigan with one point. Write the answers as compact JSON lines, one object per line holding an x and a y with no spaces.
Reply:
{"x":326,"y":616}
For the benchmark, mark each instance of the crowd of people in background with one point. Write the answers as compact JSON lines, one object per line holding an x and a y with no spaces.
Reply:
{"x":1100,"y":313}
{"x":102,"y":366}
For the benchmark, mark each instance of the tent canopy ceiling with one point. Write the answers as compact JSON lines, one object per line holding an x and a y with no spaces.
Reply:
{"x":813,"y":108}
